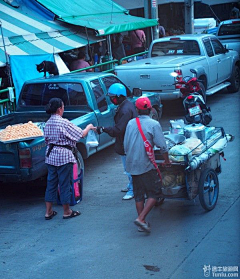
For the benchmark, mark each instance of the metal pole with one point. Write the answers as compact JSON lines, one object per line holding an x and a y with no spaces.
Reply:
{"x":89,"y":49}
{"x":151,"y":11}
{"x":109,"y":47}
{"x":5,"y":51}
{"x":7,"y":58}
{"x":189,"y":16}
{"x":154,"y":14}
{"x":147,"y":14}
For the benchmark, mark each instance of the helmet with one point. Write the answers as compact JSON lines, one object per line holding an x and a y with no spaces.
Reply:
{"x":143,"y":103}
{"x":117,"y":89}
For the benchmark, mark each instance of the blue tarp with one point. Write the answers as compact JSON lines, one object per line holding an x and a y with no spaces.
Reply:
{"x":34,"y":6}
{"x":24,"y":68}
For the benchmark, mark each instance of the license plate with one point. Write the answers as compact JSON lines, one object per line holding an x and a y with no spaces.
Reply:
{"x":194,"y":110}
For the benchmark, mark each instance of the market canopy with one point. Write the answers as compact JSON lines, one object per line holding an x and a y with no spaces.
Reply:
{"x":104,"y":16}
{"x":27,"y":34}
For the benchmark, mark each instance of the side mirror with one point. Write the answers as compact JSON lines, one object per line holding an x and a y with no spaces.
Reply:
{"x":226,"y":48}
{"x":137,"y":92}
{"x":193,"y":71}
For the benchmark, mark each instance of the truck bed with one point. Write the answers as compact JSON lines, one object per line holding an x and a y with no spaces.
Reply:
{"x":10,"y":170}
{"x":34,"y":116}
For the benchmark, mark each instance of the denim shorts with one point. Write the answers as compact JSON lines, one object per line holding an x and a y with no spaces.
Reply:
{"x":148,"y":184}
{"x":61,"y":176}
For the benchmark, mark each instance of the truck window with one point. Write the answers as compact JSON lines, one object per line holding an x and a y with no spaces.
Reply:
{"x":217,"y":46}
{"x":39,"y":94}
{"x":76,"y":95}
{"x":229,"y":29}
{"x":208,"y":48}
{"x":176,"y":47}
{"x":108,"y":81}
{"x":99,"y":95}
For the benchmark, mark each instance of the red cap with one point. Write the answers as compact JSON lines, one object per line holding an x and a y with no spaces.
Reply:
{"x":143,"y":103}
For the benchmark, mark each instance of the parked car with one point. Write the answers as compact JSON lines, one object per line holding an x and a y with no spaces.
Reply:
{"x":215,"y":66}
{"x":228,"y":32}
{"x":86,"y":101}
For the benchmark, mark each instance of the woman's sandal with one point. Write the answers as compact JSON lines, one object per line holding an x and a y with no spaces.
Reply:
{"x":73,"y":214}
{"x":54,"y":213}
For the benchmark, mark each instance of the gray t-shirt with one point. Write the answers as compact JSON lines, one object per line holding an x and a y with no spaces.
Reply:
{"x":137,"y":160}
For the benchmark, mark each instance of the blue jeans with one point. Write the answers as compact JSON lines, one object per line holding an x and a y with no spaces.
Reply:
{"x":61,"y":176}
{"x":130,"y":184}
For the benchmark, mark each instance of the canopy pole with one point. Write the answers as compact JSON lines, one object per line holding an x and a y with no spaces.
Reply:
{"x":109,"y":47}
{"x":89,"y":50}
{"x":7,"y":58}
{"x":5,"y":51}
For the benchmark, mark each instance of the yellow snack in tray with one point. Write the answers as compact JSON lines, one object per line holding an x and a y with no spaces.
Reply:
{"x":20,"y":131}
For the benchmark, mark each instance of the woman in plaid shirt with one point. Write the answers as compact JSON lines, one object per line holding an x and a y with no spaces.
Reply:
{"x":60,"y":136}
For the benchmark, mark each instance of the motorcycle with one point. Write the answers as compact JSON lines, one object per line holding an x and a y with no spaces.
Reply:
{"x":196,"y":110}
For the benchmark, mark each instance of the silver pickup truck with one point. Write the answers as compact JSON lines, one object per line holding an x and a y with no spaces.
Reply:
{"x":228,"y":32}
{"x":216,"y":66}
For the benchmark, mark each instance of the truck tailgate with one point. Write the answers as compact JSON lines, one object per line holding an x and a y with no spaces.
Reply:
{"x":10,"y":169}
{"x":153,"y":74}
{"x":9,"y":162}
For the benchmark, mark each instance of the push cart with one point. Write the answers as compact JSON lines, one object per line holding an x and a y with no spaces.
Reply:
{"x":194,"y":174}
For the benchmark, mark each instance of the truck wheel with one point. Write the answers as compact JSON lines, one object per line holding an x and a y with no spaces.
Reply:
{"x":154,"y":114}
{"x":235,"y":81}
{"x":80,"y":162}
{"x":208,"y":189}
{"x":203,"y":91}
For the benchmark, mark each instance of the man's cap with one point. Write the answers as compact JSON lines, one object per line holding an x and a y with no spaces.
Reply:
{"x":143,"y":103}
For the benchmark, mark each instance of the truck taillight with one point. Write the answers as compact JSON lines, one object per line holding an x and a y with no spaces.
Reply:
{"x":25,"y":158}
{"x":179,"y":77}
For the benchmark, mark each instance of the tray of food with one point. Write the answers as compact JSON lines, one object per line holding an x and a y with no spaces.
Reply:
{"x":19,"y":132}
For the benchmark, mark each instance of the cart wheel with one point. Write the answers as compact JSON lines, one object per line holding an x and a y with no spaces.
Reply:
{"x":208,"y":189}
{"x":159,"y":201}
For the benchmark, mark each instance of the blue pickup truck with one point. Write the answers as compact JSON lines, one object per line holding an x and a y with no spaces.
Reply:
{"x":84,"y":95}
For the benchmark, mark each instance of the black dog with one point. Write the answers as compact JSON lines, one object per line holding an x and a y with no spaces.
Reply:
{"x":48,"y":66}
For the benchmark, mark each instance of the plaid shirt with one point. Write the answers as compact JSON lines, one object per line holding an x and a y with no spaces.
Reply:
{"x":61,"y":131}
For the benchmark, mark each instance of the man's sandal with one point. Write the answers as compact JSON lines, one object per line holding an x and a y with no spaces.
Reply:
{"x":73,"y":214}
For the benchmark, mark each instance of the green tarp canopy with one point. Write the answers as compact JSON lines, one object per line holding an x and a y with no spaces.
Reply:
{"x":104,"y":16}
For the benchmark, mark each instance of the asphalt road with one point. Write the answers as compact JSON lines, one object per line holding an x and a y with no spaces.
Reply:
{"x":104,"y":243}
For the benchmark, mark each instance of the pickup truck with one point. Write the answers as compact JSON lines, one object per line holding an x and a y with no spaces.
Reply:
{"x":228,"y":32}
{"x":215,"y":66}
{"x":86,"y":101}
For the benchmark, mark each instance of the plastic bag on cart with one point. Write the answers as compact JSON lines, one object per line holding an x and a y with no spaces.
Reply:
{"x":195,"y":145}
{"x":219,"y":145}
{"x":173,"y":183}
{"x":177,"y":153}
{"x":171,"y":179}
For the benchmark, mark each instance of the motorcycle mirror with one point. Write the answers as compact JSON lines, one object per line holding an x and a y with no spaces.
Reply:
{"x":137,"y":92}
{"x":193,"y":71}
